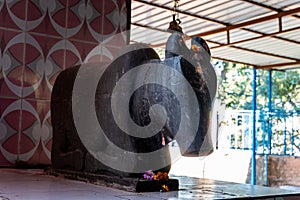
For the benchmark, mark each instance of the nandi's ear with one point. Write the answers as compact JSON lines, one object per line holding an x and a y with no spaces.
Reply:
{"x":175,"y":46}
{"x":200,"y":42}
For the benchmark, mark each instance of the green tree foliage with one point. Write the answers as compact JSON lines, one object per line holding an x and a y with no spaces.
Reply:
{"x":286,"y":90}
{"x":235,"y":87}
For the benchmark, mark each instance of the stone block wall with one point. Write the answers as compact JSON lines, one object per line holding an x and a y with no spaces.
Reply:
{"x":284,"y":170}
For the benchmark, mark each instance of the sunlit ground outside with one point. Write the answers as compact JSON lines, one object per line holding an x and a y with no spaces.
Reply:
{"x":225,"y":165}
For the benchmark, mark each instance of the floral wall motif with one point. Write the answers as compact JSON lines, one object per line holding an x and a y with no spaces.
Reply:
{"x":39,"y":39}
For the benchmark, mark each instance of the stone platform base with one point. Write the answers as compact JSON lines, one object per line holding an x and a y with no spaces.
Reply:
{"x":157,"y":186}
{"x":117,"y":182}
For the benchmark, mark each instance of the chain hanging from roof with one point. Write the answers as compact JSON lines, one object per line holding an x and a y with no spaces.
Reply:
{"x":175,"y":23}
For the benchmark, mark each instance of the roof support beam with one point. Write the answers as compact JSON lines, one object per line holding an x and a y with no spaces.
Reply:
{"x":262,"y":5}
{"x":274,"y":66}
{"x":230,"y":27}
{"x":227,"y":27}
{"x":265,"y":53}
{"x":149,"y":27}
{"x":262,"y":36}
{"x":232,"y":61}
{"x":231,"y":45}
{"x":181,"y":12}
{"x":278,"y":65}
{"x":258,"y":52}
{"x":273,"y":35}
{"x":251,"y":22}
{"x":265,"y":6}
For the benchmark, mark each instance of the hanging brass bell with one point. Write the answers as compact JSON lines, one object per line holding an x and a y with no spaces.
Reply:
{"x":174,"y":25}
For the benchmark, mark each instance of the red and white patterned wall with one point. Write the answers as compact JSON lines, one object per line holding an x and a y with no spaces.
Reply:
{"x":39,"y":39}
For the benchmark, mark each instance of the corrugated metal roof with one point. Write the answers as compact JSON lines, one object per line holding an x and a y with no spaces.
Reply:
{"x":261,"y":33}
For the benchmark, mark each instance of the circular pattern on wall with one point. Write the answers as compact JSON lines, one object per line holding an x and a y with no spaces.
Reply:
{"x":35,"y":48}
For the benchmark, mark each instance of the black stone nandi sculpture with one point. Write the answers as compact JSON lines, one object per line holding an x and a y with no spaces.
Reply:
{"x":177,"y":97}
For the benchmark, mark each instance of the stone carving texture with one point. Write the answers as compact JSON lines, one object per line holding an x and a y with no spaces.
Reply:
{"x":75,"y":148}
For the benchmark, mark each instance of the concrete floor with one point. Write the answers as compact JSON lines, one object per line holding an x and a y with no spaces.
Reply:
{"x":17,"y":184}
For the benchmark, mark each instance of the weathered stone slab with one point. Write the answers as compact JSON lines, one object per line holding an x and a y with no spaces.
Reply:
{"x":117,"y":182}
